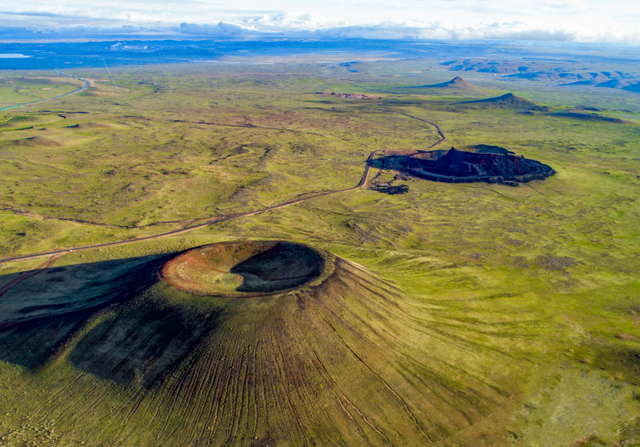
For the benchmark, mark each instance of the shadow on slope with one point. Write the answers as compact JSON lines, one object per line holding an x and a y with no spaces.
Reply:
{"x":456,"y":83}
{"x":341,"y":358}
{"x":41,"y":315}
{"x":144,"y":340}
{"x":508,"y":100}
{"x":36,"y":141}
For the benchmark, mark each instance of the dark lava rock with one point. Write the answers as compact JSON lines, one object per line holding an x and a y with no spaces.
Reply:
{"x":391,"y":190}
{"x":508,"y":100}
{"x":590,"y":117}
{"x":490,"y":164}
{"x":456,"y":82}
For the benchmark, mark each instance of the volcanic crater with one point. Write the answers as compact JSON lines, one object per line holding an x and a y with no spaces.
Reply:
{"x":244,"y":269}
{"x":481,"y":163}
{"x":345,"y":356}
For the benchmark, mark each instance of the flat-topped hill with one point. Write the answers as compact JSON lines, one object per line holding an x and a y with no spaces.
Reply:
{"x":491,"y":164}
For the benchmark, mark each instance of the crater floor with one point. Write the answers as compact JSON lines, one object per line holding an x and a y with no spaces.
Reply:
{"x":240,"y":269}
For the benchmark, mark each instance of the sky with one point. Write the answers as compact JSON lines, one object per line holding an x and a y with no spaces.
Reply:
{"x":548,"y":20}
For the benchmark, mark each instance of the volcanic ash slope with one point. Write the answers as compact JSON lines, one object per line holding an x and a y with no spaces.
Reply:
{"x":347,"y":359}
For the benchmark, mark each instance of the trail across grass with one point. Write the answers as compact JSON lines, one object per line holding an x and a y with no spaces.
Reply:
{"x":362,"y":183}
{"x":78,"y":90}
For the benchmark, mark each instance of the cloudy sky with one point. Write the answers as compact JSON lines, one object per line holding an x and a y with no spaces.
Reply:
{"x":563,"y":20}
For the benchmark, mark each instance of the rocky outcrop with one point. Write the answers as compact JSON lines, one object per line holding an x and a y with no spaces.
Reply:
{"x":508,"y":100}
{"x":352,"y":95}
{"x":455,"y":83}
{"x":490,"y":164}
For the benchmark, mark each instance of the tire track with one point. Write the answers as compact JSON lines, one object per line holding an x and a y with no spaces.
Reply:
{"x":321,"y":368}
{"x":213,"y":378}
{"x":81,"y":89}
{"x":26,"y":275}
{"x":440,"y":132}
{"x":361,"y":184}
{"x":286,"y":373}
{"x":406,"y":406}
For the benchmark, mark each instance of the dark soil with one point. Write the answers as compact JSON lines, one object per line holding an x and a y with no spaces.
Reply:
{"x":590,"y":117}
{"x":391,"y":190}
{"x":508,"y":100}
{"x":456,"y":82}
{"x":491,"y":164}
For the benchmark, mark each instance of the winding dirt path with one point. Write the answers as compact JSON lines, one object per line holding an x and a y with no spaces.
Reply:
{"x":26,"y":275}
{"x":361,"y":184}
{"x":78,"y":90}
{"x":440,"y":132}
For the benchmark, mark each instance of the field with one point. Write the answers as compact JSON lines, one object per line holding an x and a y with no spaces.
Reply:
{"x":25,"y":89}
{"x":445,"y":314}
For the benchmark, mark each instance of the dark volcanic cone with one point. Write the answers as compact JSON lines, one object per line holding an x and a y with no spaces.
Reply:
{"x":345,"y":359}
{"x":455,"y":83}
{"x":590,"y":117}
{"x":508,"y":100}
{"x":490,"y":164}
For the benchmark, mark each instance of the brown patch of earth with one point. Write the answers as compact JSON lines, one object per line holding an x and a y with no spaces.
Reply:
{"x":455,"y":83}
{"x":508,"y":100}
{"x":352,"y":95}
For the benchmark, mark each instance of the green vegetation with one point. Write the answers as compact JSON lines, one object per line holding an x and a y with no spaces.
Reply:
{"x":24,"y":89}
{"x":452,"y":314}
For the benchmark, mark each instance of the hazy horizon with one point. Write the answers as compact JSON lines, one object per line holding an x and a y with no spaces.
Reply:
{"x":549,"y":20}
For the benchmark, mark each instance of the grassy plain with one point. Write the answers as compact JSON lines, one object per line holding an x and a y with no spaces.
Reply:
{"x":454,"y":314}
{"x":23,"y":89}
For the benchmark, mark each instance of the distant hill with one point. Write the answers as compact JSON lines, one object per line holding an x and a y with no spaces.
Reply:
{"x":590,"y":117}
{"x":457,"y":83}
{"x":614,"y":83}
{"x":534,"y":76}
{"x":629,"y":85}
{"x":622,"y":84}
{"x":88,"y":126}
{"x":508,"y":100}
{"x":588,"y":82}
{"x":36,"y":141}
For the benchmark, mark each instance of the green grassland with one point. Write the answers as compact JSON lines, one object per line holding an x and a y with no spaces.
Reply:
{"x":24,"y":89}
{"x":451,"y":315}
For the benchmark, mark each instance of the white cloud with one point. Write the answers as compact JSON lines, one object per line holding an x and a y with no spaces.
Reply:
{"x":579,"y":20}
{"x":221,"y":29}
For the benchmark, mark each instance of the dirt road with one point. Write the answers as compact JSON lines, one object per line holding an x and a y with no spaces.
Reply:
{"x":26,"y":275}
{"x":361,"y":184}
{"x":81,"y":89}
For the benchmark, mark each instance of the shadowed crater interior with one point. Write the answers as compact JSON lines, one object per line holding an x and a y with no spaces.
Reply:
{"x":247,"y":268}
{"x":481,"y":163}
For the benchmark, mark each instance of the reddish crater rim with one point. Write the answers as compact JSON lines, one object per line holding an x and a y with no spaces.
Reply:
{"x":244,"y":269}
